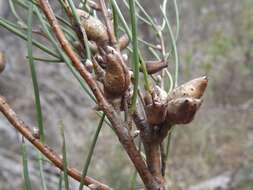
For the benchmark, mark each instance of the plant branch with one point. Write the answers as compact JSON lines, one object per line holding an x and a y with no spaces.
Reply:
{"x":46,"y":151}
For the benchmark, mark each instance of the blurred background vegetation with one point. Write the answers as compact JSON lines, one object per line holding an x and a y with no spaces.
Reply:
{"x":216,"y":39}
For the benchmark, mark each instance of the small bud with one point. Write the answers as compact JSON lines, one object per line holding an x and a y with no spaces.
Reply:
{"x":88,"y":65}
{"x":159,"y":79}
{"x":158,"y":46}
{"x":110,"y":15}
{"x":35,"y":132}
{"x":125,"y":56}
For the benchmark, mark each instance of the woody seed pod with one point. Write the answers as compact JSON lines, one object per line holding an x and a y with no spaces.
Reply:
{"x":194,"y":88}
{"x":155,"y":66}
{"x":182,"y":110}
{"x":94,"y":28}
{"x":117,"y":78}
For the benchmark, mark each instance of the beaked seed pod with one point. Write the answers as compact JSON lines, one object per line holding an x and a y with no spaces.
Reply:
{"x":194,"y":88}
{"x":155,"y":66}
{"x":117,"y":78}
{"x":94,"y":28}
{"x":2,"y":62}
{"x":182,"y":110}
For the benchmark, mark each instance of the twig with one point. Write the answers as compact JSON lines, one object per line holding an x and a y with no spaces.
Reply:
{"x":151,"y":139}
{"x":46,"y":151}
{"x":108,"y":22}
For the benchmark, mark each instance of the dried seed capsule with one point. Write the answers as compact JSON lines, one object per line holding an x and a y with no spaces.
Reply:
{"x":2,"y":62}
{"x":155,"y":66}
{"x":94,"y":28}
{"x":117,"y":78}
{"x":194,"y":88}
{"x":182,"y":110}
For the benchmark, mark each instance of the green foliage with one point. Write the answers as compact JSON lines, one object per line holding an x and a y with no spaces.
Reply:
{"x":64,"y":155}
{"x":91,"y":151}
{"x":25,"y":167}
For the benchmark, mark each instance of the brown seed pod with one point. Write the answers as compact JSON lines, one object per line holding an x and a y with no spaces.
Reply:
{"x":117,"y":78}
{"x":2,"y":62}
{"x":155,"y":66}
{"x":94,"y":28}
{"x":182,"y":110}
{"x":194,"y":88}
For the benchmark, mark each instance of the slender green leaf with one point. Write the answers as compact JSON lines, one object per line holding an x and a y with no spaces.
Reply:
{"x":42,"y":176}
{"x":60,"y":182}
{"x":136,"y":61}
{"x":174,"y":46}
{"x":10,"y":26}
{"x":34,"y":78}
{"x":91,"y":151}
{"x":115,"y":22}
{"x":168,"y":143}
{"x":46,"y":60}
{"x":177,"y":18}
{"x":36,"y":92}
{"x":121,"y":18}
{"x":25,"y":166}
{"x":64,"y":155}
{"x":138,"y":15}
{"x":14,"y":12}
